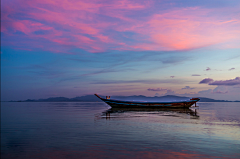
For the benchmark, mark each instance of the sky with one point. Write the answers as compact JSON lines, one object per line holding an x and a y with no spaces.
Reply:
{"x":70,"y":48}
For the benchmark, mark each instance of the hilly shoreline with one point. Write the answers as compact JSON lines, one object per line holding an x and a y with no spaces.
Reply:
{"x":93,"y":98}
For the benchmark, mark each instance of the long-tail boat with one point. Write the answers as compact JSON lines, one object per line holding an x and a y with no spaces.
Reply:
{"x":145,"y":104}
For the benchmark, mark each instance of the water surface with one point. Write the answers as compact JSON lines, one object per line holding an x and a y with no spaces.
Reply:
{"x":93,"y":130}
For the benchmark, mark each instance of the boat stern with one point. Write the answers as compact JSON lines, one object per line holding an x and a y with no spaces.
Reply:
{"x":194,"y":101}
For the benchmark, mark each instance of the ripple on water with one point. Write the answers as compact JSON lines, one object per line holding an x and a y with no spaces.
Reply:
{"x":93,"y":130}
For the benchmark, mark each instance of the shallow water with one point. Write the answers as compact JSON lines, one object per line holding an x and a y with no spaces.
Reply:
{"x":93,"y":130}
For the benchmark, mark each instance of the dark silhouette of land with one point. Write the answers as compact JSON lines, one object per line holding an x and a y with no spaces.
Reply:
{"x":93,"y":98}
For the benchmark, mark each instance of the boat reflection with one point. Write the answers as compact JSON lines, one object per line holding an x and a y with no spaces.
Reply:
{"x":160,"y":111}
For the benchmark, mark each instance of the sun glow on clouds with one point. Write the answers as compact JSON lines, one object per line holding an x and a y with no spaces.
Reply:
{"x":98,"y":26}
{"x":121,"y":47}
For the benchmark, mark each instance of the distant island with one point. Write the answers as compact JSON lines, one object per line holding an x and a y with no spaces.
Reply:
{"x":93,"y":98}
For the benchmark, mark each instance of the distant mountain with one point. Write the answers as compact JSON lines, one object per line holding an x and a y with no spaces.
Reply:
{"x":87,"y":98}
{"x":93,"y":98}
{"x":203,"y":99}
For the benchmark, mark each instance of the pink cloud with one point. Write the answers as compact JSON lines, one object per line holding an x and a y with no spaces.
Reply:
{"x":98,"y":27}
{"x":187,"y":28}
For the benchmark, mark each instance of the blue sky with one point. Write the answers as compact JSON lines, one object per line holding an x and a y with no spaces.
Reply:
{"x":74,"y":48}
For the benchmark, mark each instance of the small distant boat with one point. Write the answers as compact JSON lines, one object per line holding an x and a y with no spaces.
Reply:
{"x":144,"y":104}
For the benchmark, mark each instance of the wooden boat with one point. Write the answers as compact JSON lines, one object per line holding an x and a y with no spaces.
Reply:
{"x":142,"y":104}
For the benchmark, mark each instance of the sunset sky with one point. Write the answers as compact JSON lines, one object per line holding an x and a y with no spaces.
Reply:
{"x":71,"y":48}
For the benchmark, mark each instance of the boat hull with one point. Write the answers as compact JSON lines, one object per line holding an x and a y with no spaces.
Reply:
{"x":134,"y":104}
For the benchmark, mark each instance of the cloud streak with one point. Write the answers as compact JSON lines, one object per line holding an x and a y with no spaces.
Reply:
{"x":114,"y":25}
{"x":157,"y":89}
{"x":230,"y":82}
{"x":187,"y":87}
{"x":208,"y":69}
{"x":144,"y":81}
{"x":206,"y":80}
{"x":196,"y":75}
{"x":219,"y":92}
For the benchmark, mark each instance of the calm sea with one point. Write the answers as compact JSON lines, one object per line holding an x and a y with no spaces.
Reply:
{"x":91,"y":130}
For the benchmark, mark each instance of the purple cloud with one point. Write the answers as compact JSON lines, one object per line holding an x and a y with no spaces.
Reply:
{"x":231,"y":69}
{"x":210,"y":91}
{"x":157,"y":94}
{"x":230,"y":82}
{"x":152,"y":81}
{"x":170,"y":92}
{"x":208,"y":69}
{"x":172,"y":76}
{"x":205,"y":91}
{"x":187,"y":87}
{"x":157,"y":89}
{"x":196,"y":75}
{"x":206,"y":80}
{"x":220,"y":92}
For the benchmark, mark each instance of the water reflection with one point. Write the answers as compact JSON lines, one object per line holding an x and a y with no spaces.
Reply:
{"x":138,"y":112}
{"x":71,"y":130}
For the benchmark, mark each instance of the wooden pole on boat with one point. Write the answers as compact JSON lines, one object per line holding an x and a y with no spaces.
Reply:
{"x":97,"y":96}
